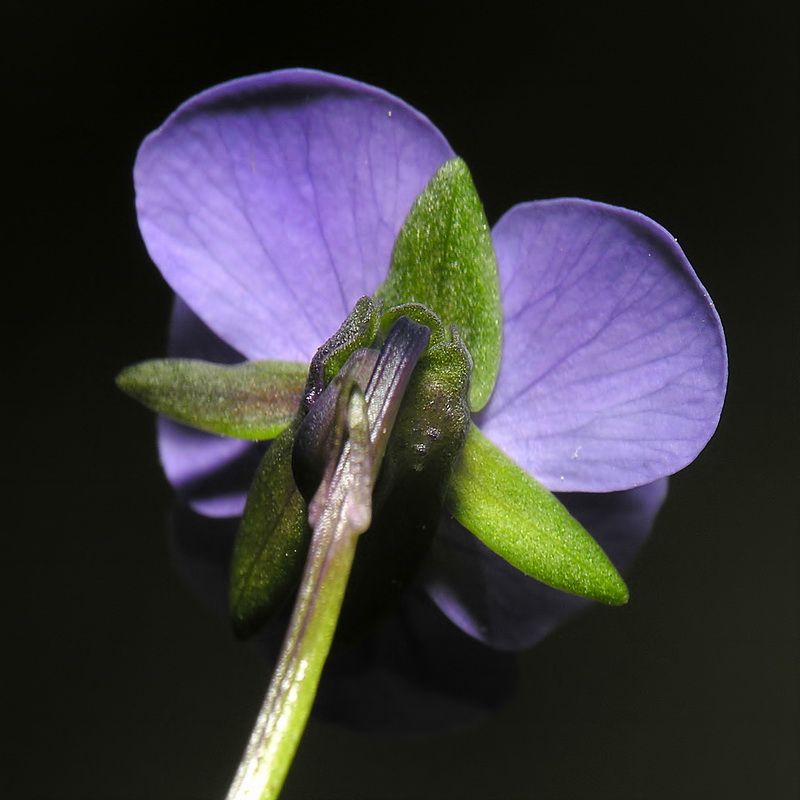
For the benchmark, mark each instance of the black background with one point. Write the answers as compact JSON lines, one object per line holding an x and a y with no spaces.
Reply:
{"x":119,"y":685}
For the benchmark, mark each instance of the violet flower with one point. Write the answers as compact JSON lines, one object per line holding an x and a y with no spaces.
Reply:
{"x":272,"y":203}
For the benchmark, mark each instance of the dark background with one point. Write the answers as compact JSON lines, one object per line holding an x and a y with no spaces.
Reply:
{"x":119,"y":684}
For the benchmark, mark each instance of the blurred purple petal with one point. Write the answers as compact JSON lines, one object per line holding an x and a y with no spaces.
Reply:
{"x":416,"y":673}
{"x":271,"y":203}
{"x":620,"y":521}
{"x":614,"y":365}
{"x":499,"y":605}
{"x":211,"y":473}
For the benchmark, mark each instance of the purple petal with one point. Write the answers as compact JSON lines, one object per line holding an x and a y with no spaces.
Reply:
{"x":416,"y":673}
{"x":211,"y":473}
{"x":271,"y":203}
{"x":620,"y":521}
{"x":497,"y":604}
{"x":614,"y":364}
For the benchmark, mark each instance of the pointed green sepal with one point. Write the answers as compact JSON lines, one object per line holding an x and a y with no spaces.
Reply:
{"x":255,"y":400}
{"x":523,"y":522}
{"x":444,"y":259}
{"x":272,"y":540}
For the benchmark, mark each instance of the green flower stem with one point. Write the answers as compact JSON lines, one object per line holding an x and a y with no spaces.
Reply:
{"x":339,"y":512}
{"x":290,"y":696}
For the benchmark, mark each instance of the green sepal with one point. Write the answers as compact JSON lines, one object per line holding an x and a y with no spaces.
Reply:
{"x":523,"y":522}
{"x":444,"y":259}
{"x":255,"y":400}
{"x":272,"y":541}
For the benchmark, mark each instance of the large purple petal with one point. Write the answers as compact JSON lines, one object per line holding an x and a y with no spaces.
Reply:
{"x":416,"y":673}
{"x":614,"y":364}
{"x":212,"y":473}
{"x":271,"y":203}
{"x":496,"y":603}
